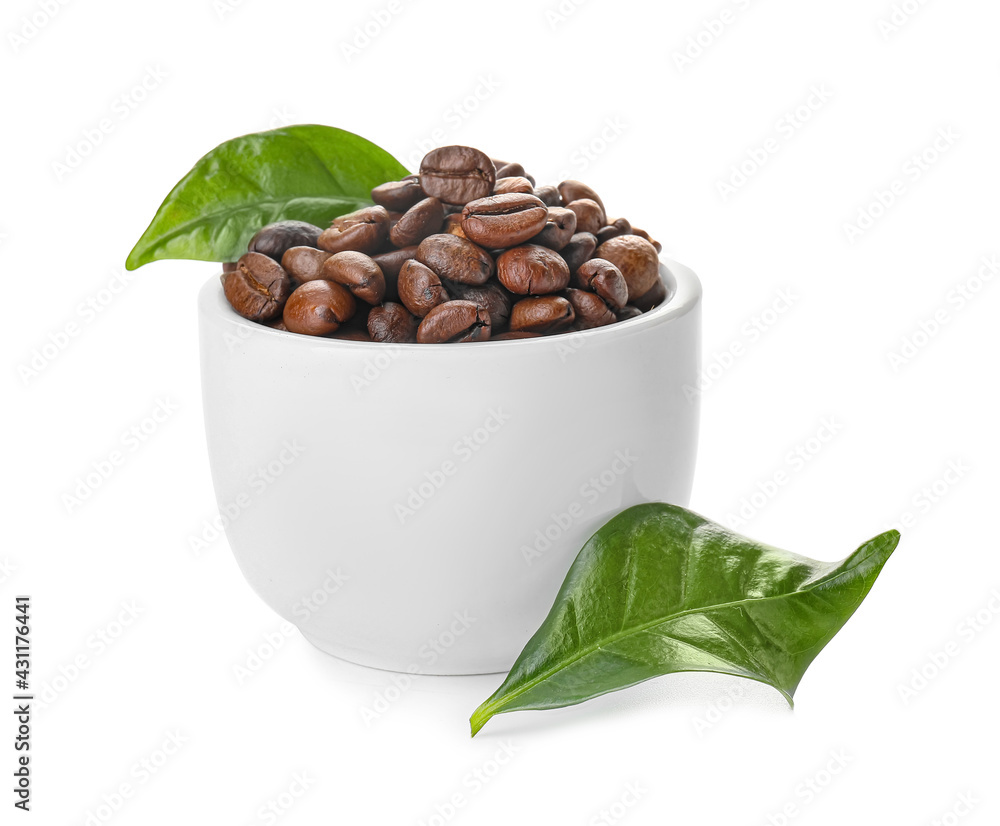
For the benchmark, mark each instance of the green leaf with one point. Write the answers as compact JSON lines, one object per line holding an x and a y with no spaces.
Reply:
{"x":660,"y":589}
{"x":305,"y":173}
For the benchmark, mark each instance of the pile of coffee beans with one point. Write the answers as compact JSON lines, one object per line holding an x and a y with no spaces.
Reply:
{"x":468,"y":250}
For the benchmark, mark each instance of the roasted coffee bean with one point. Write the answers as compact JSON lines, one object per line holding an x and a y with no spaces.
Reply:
{"x":390,"y":262}
{"x":318,"y":308}
{"x":511,"y":335}
{"x":549,"y":196}
{"x":637,"y":260}
{"x":453,"y":225}
{"x":258,"y":288}
{"x":643,"y":234}
{"x":606,"y":233}
{"x":456,"y":259}
{"x":590,"y":309}
{"x":275,"y":239}
{"x":579,"y":249}
{"x":454,"y":321}
{"x":420,"y":288}
{"x":574,"y":191}
{"x":277,"y":324}
{"x":501,"y":221}
{"x":653,"y":297}
{"x":532,"y":270}
{"x":360,"y":231}
{"x":229,"y":266}
{"x":304,"y":263}
{"x":505,"y":186}
{"x":359,"y":273}
{"x":490,"y":295}
{"x":457,"y":174}
{"x":590,"y":215}
{"x":622,"y":224}
{"x":509,"y":170}
{"x":422,"y":219}
{"x":398,"y":195}
{"x":605,"y":279}
{"x":345,"y":334}
{"x":392,"y":323}
{"x":543,"y":314}
{"x":628,"y":311}
{"x":560,"y":225}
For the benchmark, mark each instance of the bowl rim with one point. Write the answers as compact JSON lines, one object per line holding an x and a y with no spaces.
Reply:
{"x":684,"y":294}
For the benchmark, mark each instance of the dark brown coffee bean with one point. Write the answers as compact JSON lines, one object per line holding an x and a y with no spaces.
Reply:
{"x":457,"y":174}
{"x":453,"y":225}
{"x":502,"y":221}
{"x":549,"y":196}
{"x":512,"y":336}
{"x":532,"y":270}
{"x":579,"y":249}
{"x":454,"y":321}
{"x":229,"y":266}
{"x":510,"y":170}
{"x":318,"y":308}
{"x":304,"y":263}
{"x":275,"y":239}
{"x":544,"y":314}
{"x":606,"y":233}
{"x":505,"y":186}
{"x":258,"y":288}
{"x":346,"y":334}
{"x":422,"y":219}
{"x":560,"y":225}
{"x":574,"y":191}
{"x":392,"y":323}
{"x":456,"y":259}
{"x":361,"y":231}
{"x":359,"y":273}
{"x":637,"y":260}
{"x":277,"y":324}
{"x":590,"y":215}
{"x":653,"y":297}
{"x":622,"y":224}
{"x":398,"y":195}
{"x":420,"y":288}
{"x":589,"y":309}
{"x":643,"y":234}
{"x":629,"y":311}
{"x":391,"y":261}
{"x":494,"y":298}
{"x":605,"y":279}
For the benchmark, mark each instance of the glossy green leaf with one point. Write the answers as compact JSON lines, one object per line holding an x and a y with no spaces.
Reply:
{"x":660,"y":589}
{"x":305,"y":173}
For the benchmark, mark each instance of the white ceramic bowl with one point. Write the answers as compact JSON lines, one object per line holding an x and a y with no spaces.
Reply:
{"x":416,"y":507}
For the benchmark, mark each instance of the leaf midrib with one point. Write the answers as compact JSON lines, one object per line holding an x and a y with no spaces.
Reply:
{"x":613,"y":638}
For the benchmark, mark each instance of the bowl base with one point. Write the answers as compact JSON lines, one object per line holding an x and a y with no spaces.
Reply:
{"x":383,"y":664}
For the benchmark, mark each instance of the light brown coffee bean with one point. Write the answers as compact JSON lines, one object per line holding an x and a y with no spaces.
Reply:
{"x":318,"y":308}
{"x":454,"y":321}
{"x":258,"y":288}
{"x":543,"y":314}
{"x":532,"y":270}
{"x":304,"y":263}
{"x":359,"y":273}
{"x":422,"y":219}
{"x":505,"y":186}
{"x":605,"y":279}
{"x":398,"y":195}
{"x":637,"y":260}
{"x":392,"y":323}
{"x":560,"y":226}
{"x":501,"y":221}
{"x":361,"y":231}
{"x":457,"y":174}
{"x":590,"y":309}
{"x":574,"y":190}
{"x":456,"y":259}
{"x":420,"y":288}
{"x":590,"y":216}
{"x":453,"y":225}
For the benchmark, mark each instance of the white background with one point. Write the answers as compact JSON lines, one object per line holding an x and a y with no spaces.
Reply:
{"x":594,"y":91}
